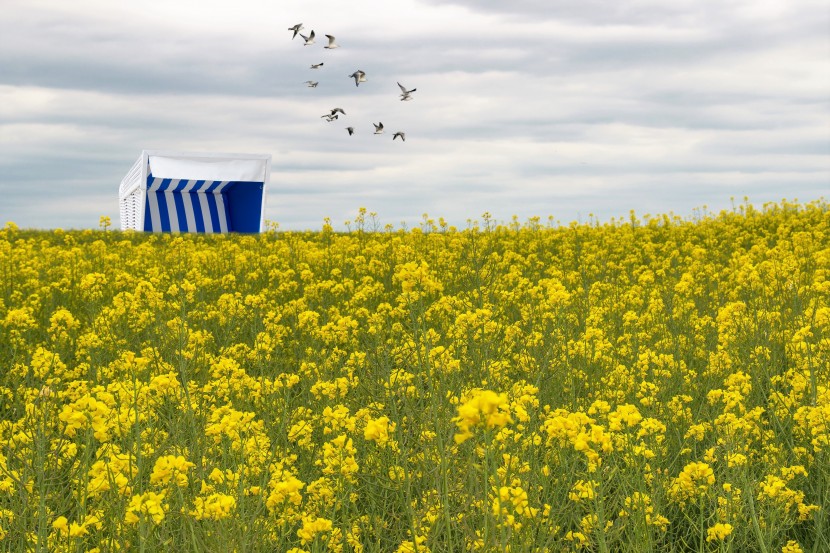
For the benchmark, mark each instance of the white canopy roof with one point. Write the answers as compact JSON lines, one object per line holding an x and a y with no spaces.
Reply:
{"x":209,"y":167}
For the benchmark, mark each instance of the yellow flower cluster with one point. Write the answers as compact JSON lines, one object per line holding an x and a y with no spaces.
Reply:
{"x":693,"y":481}
{"x":339,"y":458}
{"x":510,"y":504}
{"x":377,"y":430}
{"x":148,"y":506}
{"x":312,"y":527}
{"x":649,"y":383}
{"x":718,"y":532}
{"x":481,"y":408}
{"x":215,"y":506}
{"x":75,"y":529}
{"x":774,"y":489}
{"x":170,"y":469}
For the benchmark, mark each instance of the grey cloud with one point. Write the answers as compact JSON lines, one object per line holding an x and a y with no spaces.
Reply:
{"x":633,"y":12}
{"x":530,"y":107}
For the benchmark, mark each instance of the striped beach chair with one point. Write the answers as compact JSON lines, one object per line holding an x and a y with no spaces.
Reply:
{"x":195,"y":192}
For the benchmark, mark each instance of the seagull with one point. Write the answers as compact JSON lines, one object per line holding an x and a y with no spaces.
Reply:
{"x":406,"y":95}
{"x":317,"y":65}
{"x":351,"y":130}
{"x":309,"y":40}
{"x":329,"y":118}
{"x":331,"y":44}
{"x":359,"y":77}
{"x":397,"y":134}
{"x":312,"y":84}
{"x":335,"y":110}
{"x":296,"y":28}
{"x":379,"y":128}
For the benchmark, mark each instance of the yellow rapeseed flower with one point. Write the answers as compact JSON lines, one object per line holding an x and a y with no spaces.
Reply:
{"x":482,"y":408}
{"x":149,"y":505}
{"x":171,"y":468}
{"x":313,"y":527}
{"x":718,"y":532}
{"x":215,"y":506}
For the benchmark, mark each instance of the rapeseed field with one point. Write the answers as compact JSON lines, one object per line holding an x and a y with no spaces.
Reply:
{"x":653,"y":384}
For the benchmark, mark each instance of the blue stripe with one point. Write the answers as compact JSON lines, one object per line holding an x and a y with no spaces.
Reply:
{"x":214,"y":212}
{"x":213,"y":186}
{"x":148,"y":223}
{"x":165,"y":217}
{"x":180,"y":212}
{"x":225,"y":203}
{"x":195,"y":200}
{"x":197,"y":211}
{"x":181,"y":185}
{"x":165,"y":183}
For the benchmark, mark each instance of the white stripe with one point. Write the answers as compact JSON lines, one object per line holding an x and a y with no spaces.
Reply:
{"x":188,"y":206}
{"x":203,"y":204}
{"x":155,"y":215}
{"x":171,"y":206}
{"x":220,"y":207}
{"x":157,"y":182}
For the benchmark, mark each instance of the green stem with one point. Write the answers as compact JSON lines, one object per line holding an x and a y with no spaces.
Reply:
{"x":702,"y":525}
{"x":821,"y":543}
{"x":599,"y":504}
{"x":756,"y":528}
{"x":486,"y":467}
{"x":41,"y":479}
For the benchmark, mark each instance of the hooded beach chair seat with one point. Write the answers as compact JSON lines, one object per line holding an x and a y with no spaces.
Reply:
{"x":195,"y":192}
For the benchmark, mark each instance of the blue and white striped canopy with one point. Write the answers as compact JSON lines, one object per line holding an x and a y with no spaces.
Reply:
{"x":167,"y":191}
{"x":181,"y":205}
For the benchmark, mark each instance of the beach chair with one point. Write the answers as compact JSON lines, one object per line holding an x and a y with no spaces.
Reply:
{"x":195,"y":192}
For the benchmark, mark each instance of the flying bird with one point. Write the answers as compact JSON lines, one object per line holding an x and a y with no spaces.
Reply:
{"x":312,"y":84}
{"x":317,"y":65}
{"x":406,"y":95}
{"x":351,"y":130}
{"x":335,"y":110}
{"x":296,"y":28}
{"x":359,"y":77}
{"x":309,"y":40}
{"x":331,"y":44}
{"x":329,"y":118}
{"x":379,"y":128}
{"x":397,"y":134}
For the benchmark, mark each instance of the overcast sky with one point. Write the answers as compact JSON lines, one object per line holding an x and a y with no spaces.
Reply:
{"x":523,"y":107}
